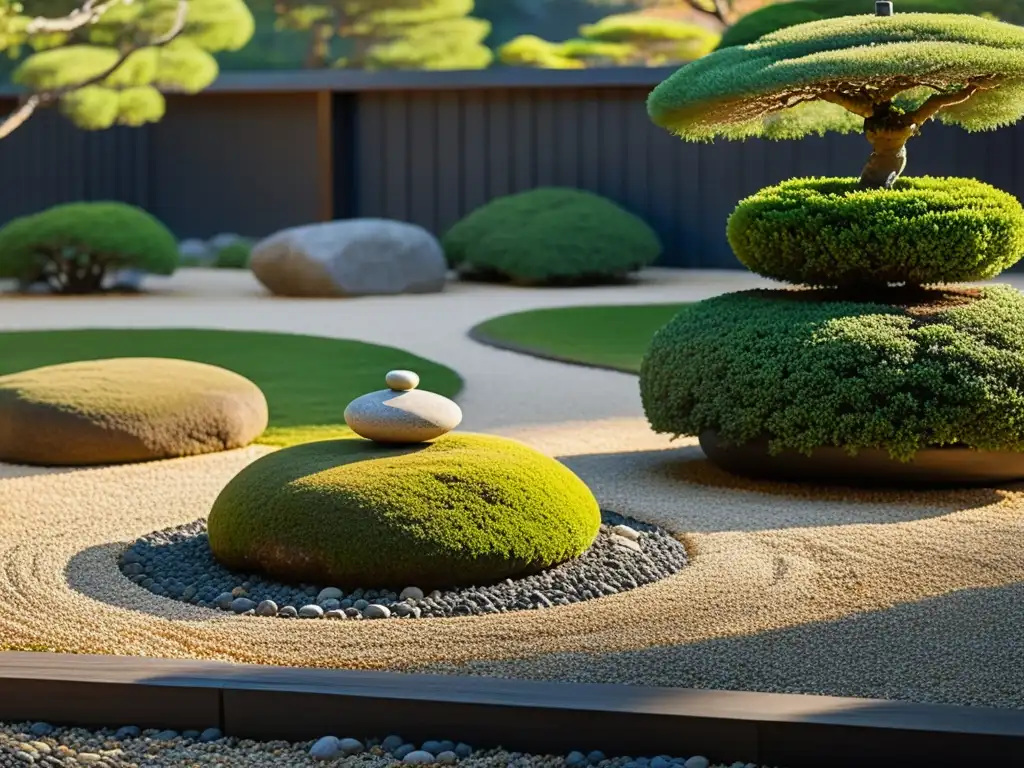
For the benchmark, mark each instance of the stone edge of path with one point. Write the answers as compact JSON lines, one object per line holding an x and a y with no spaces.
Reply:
{"x":263,"y":702}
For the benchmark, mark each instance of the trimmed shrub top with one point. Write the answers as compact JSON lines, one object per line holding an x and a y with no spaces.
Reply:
{"x":551,"y":236}
{"x":832,"y":232}
{"x":904,"y":371}
{"x":464,"y":509}
{"x":737,"y":92}
{"x":103,"y":235}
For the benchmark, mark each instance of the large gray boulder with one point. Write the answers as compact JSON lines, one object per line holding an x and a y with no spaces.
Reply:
{"x":356,"y":257}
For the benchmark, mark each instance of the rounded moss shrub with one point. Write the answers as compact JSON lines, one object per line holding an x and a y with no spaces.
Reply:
{"x":807,"y":369}
{"x":233,"y":256}
{"x":74,"y":246}
{"x":551,"y":236}
{"x":831,"y":232}
{"x":464,"y":509}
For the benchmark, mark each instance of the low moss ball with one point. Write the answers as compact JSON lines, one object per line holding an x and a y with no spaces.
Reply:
{"x":465,"y":509}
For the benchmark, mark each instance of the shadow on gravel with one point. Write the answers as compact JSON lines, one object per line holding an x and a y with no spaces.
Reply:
{"x":681,"y":486}
{"x":960,"y":648}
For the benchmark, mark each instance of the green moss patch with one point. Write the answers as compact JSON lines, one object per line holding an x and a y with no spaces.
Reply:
{"x":901,"y":370}
{"x":307,"y":380}
{"x":614,"y":337}
{"x":465,"y":509}
{"x":831,"y":232}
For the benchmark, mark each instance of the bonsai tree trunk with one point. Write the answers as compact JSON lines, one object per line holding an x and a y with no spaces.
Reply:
{"x":75,"y":275}
{"x":888,"y":131}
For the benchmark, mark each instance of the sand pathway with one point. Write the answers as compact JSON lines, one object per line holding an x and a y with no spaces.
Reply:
{"x":858,"y":594}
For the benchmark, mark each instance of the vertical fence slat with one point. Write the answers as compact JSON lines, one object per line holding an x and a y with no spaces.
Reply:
{"x":396,"y":156}
{"x":524,"y":119}
{"x":369,"y":188}
{"x":421,"y":136}
{"x":545,"y":139}
{"x":567,"y":138}
{"x":448,"y":184}
{"x":636,"y":132}
{"x":590,"y":164}
{"x":476,"y":167}
{"x":499,"y":141}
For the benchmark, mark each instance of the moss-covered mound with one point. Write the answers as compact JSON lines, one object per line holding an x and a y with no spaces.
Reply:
{"x":832,"y":232}
{"x":900,"y":371}
{"x":124,"y":410}
{"x":551,"y":236}
{"x":465,"y":509}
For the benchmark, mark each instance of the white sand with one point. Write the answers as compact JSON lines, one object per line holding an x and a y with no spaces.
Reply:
{"x":915,"y":596}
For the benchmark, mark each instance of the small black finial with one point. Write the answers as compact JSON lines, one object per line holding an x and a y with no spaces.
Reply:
{"x":883,"y":8}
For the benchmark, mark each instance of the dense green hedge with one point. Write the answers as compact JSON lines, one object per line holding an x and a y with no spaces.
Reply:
{"x":830,"y":232}
{"x":73,"y":246}
{"x":464,"y":509}
{"x":550,"y":236}
{"x":809,"y":372}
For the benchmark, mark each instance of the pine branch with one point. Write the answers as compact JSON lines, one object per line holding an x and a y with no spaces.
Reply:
{"x":89,"y":13}
{"x":859,"y":105}
{"x":939,"y":101}
{"x":30,"y":104}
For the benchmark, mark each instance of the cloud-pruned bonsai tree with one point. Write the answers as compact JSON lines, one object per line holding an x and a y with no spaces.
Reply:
{"x":875,"y":351}
{"x":626,"y":39}
{"x":779,"y":15}
{"x":887,"y":76}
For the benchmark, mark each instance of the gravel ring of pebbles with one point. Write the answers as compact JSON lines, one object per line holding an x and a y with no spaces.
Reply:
{"x":177,"y":563}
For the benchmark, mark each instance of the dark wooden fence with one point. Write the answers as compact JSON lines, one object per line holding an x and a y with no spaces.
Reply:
{"x":262,"y":151}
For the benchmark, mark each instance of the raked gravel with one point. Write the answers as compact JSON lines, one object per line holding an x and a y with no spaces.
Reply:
{"x":911,"y":596}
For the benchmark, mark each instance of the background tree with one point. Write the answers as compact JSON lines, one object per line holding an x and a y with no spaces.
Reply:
{"x":107,"y":63}
{"x":618,"y":40}
{"x":390,"y":34}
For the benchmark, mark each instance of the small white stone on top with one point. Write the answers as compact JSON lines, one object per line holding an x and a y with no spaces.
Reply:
{"x":402,"y":380}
